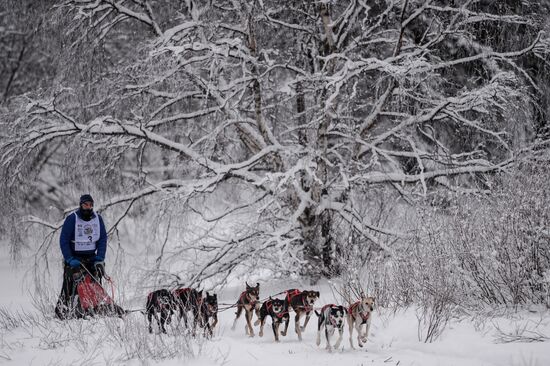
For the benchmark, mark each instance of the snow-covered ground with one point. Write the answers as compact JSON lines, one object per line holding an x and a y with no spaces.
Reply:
{"x":29,"y":338}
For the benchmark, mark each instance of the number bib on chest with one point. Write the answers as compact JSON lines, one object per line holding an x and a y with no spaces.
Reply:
{"x":86,"y":234}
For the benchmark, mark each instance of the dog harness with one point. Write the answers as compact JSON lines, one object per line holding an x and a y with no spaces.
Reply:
{"x":324,"y":308}
{"x":179,"y":291}
{"x":269,"y":306}
{"x":246,"y":295}
{"x":291,"y":293}
{"x":364,"y":315}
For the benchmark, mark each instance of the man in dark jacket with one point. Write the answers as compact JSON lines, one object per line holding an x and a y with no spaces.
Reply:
{"x":83,"y":242}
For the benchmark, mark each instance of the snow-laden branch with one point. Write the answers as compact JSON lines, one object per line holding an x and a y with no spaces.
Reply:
{"x":91,"y":8}
{"x":470,"y":168}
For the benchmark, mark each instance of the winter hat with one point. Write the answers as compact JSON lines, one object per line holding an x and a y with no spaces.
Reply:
{"x":86,"y":198}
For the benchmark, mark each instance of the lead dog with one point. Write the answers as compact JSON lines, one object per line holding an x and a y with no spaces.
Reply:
{"x":276,"y":309}
{"x":160,"y":302}
{"x":331,"y":318}
{"x":359,"y":314}
{"x":301,"y":302}
{"x":248,"y":300}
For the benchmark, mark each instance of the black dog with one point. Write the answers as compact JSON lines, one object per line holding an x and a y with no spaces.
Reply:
{"x":160,"y":302}
{"x":209,"y":313}
{"x":331,"y":318}
{"x":249,"y":302}
{"x":276,"y":309}
{"x":188,"y":300}
{"x":301,"y":302}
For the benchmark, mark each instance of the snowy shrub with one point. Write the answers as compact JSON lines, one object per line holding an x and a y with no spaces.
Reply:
{"x":501,"y":243}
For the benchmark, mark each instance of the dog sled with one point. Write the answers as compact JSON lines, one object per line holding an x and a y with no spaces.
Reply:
{"x":88,"y":298}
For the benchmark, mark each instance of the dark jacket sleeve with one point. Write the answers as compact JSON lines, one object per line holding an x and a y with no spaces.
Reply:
{"x":102,"y":242}
{"x":67,"y":234}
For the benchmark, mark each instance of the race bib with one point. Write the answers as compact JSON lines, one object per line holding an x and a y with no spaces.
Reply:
{"x":86,"y":234}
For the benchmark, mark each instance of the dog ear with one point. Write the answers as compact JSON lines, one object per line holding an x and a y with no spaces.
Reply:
{"x":258,"y":285}
{"x":247,"y":285}
{"x":318,"y":293}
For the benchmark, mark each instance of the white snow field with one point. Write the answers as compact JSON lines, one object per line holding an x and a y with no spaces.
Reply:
{"x":27,"y":337}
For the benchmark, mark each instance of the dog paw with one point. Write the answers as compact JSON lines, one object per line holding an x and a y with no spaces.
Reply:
{"x":283,"y":334}
{"x":261,"y":334}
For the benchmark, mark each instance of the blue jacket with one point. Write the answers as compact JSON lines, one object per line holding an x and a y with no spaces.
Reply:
{"x":66,"y":240}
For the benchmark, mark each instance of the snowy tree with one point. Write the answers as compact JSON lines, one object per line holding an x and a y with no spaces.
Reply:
{"x":306,"y":109}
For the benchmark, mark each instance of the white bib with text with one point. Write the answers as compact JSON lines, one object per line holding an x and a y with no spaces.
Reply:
{"x":86,"y":234}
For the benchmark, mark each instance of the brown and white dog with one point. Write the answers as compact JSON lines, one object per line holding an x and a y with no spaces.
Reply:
{"x":331,"y":317}
{"x":248,"y":300}
{"x":359,"y":314}
{"x":301,"y":302}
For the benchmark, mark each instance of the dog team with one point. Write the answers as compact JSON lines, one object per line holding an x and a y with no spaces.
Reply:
{"x":163,"y":304}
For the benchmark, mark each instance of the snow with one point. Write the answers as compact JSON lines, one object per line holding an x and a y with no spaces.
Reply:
{"x":35,"y":339}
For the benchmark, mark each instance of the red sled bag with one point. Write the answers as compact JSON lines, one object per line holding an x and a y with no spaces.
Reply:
{"x":93,"y":299}
{"x":92,"y":295}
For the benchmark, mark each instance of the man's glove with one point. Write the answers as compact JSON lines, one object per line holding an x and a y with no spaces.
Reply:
{"x":73,"y":262}
{"x":98,"y":258}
